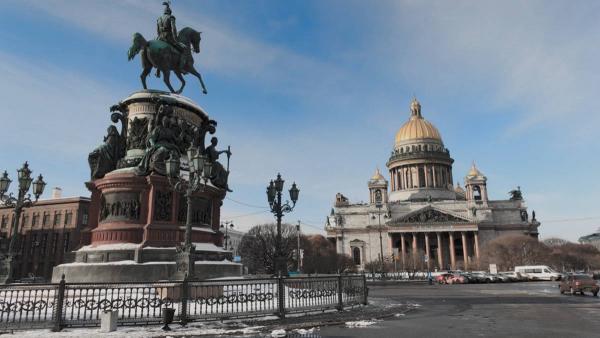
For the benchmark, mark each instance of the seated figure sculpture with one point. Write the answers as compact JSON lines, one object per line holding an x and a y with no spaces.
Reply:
{"x":104,"y":158}
{"x":162,"y":143}
{"x":219,"y":175}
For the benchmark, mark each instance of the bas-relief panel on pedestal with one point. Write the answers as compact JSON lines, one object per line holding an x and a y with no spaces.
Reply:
{"x":120,"y":206}
{"x":163,"y":204}
{"x":201,"y":211}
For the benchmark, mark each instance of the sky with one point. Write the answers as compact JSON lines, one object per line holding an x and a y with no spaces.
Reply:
{"x":316,"y":90}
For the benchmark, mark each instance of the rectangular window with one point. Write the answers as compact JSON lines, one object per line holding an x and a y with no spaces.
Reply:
{"x":33,"y":243}
{"x":35,"y":219}
{"x":25,"y":220}
{"x":46,"y":219}
{"x":66,"y":242}
{"x":57,"y":218}
{"x":54,"y":242}
{"x":84,"y":219}
{"x":4,"y":221}
{"x":44,"y":243}
{"x":68,"y":217}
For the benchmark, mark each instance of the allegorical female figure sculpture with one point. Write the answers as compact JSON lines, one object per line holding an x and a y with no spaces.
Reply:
{"x":104,"y":158}
{"x":162,"y":143}
{"x":219,"y":175}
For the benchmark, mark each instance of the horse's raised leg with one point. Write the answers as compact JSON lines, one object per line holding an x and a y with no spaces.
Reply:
{"x":193,"y":70}
{"x":180,"y":77}
{"x":166,"y":78}
{"x":144,"y":74}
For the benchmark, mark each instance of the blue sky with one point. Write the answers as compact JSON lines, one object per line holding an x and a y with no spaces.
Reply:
{"x":317,"y":90}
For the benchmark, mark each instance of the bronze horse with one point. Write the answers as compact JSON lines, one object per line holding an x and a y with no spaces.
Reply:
{"x":165,"y":58}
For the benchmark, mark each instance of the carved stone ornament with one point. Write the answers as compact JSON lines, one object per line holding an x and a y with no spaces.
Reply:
{"x":120,"y":207}
{"x":430,"y":215}
{"x":162,"y":205}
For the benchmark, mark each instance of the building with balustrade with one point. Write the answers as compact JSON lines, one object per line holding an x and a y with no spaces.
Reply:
{"x":420,"y":219}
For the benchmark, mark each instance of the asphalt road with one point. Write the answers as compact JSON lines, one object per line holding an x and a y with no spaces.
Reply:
{"x":533,"y":309}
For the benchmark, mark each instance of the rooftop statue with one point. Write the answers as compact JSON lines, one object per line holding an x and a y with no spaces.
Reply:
{"x":170,"y":51}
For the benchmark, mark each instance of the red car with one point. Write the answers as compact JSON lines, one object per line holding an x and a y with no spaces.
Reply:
{"x":451,"y":278}
{"x":579,"y":284}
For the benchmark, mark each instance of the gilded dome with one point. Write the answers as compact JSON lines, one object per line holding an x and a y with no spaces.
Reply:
{"x":417,"y":128}
{"x":474,"y":172}
{"x":377,"y":176}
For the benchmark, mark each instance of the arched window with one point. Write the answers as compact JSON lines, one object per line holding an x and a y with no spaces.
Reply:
{"x":476,"y":193}
{"x":356,"y":255}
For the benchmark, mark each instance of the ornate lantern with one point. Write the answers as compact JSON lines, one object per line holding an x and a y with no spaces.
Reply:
{"x":38,"y":186}
{"x":271,"y":192}
{"x":279,"y":183}
{"x":294,"y":191}
{"x":172,"y":166}
{"x":4,"y":183}
{"x":207,"y":168}
{"x":24,"y":175}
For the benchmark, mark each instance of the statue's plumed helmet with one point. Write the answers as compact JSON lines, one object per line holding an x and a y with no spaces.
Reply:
{"x":167,"y":7}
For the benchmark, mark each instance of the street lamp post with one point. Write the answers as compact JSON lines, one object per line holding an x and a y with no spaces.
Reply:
{"x":23,"y":200}
{"x":226,"y":225}
{"x":379,"y":205}
{"x":199,"y":172}
{"x":274,"y":190}
{"x":298,"y":252}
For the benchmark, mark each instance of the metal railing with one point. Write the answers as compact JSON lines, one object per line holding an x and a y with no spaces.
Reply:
{"x":59,"y":305}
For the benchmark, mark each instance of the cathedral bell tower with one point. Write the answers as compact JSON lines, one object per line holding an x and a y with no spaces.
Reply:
{"x":476,"y":188}
{"x":378,"y":189}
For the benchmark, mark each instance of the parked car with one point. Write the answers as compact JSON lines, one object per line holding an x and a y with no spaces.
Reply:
{"x":451,"y":278}
{"x":502,"y":278}
{"x":538,"y":272}
{"x":481,"y":277}
{"x":579,"y":283}
{"x":441,"y":278}
{"x":513,"y":276}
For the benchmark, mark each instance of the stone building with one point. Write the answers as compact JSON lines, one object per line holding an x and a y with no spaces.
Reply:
{"x":592,"y":239}
{"x":419,"y":218}
{"x":49,"y":231}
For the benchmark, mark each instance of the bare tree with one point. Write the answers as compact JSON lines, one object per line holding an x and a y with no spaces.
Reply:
{"x":257,"y":247}
{"x":514,"y":250}
{"x":320,"y":256}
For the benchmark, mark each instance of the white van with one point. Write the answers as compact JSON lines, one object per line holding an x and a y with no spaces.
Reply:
{"x":538,"y":272}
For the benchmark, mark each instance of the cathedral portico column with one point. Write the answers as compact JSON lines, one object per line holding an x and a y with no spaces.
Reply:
{"x":427,"y":251}
{"x":414,"y":249}
{"x":452,"y":253}
{"x":439,"y":250}
{"x":465,"y":251}
{"x":476,"y":240}
{"x":403,"y":248}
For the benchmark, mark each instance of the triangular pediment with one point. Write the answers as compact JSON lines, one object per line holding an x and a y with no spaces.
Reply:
{"x":429,"y":215}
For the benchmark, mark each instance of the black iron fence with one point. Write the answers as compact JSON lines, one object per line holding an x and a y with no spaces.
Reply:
{"x":25,"y":306}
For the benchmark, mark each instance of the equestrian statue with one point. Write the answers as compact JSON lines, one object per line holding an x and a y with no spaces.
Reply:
{"x":170,"y":51}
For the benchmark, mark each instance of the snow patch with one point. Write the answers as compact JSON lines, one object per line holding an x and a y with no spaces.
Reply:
{"x":278,"y":333}
{"x":360,"y":323}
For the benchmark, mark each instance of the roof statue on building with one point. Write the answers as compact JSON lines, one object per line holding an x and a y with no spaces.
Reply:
{"x":516,"y":194}
{"x":170,"y":51}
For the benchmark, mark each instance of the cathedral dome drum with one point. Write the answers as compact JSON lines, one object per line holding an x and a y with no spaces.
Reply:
{"x":420,"y":166}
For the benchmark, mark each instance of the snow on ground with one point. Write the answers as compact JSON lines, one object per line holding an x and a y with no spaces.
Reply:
{"x":206,"y":329}
{"x":278,"y":333}
{"x":361,"y":323}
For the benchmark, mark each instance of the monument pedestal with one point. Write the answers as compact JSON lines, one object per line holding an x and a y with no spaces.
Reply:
{"x":136,"y":219}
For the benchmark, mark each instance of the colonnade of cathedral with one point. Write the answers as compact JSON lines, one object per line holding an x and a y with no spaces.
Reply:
{"x":441,"y":250}
{"x":420,"y":176}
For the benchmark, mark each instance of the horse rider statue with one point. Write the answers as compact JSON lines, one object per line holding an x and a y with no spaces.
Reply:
{"x":167,"y":32}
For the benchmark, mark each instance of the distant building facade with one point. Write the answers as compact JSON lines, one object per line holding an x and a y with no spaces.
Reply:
{"x":49,"y":230}
{"x":233,"y":241}
{"x":419,"y":219}
{"x":593,"y":239}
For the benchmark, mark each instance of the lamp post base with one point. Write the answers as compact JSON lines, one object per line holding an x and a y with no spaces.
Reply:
{"x":7,"y":267}
{"x":281,"y":266}
{"x":184,"y":262}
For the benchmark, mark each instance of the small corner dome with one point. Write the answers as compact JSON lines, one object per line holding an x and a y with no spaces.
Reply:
{"x":377,"y":178}
{"x":417,"y":128}
{"x":474,"y":172}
